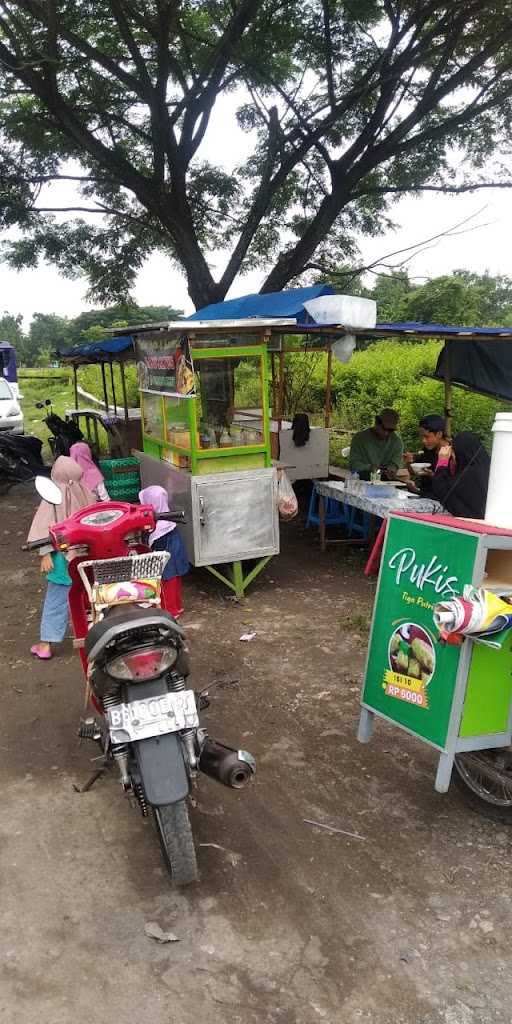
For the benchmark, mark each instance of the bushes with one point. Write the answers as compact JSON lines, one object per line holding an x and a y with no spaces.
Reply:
{"x":387,"y":373}
{"x":392,"y":373}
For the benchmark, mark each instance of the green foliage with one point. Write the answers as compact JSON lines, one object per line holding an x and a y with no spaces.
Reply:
{"x":344,"y":107}
{"x":395,"y":374}
{"x":90,"y":379}
{"x":36,"y":386}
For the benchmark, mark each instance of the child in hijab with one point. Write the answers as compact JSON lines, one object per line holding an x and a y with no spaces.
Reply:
{"x":93,"y":477}
{"x":165,"y":537}
{"x":69,"y":477}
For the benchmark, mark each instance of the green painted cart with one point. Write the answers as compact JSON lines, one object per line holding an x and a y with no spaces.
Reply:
{"x":455,"y":698}
{"x":211,"y":450}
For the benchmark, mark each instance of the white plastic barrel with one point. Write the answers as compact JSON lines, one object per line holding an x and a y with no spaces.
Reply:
{"x":498,"y":510}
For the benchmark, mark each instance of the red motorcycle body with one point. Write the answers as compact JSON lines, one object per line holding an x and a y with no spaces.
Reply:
{"x":108,"y":529}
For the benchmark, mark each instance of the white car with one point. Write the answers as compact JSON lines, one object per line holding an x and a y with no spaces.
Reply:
{"x":11,"y":416}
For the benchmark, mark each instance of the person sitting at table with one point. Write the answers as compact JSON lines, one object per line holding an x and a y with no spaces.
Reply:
{"x":461,"y":477}
{"x":377,"y":447}
{"x":432,"y":431}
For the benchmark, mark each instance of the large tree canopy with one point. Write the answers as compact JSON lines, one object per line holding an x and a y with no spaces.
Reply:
{"x":347,"y":103}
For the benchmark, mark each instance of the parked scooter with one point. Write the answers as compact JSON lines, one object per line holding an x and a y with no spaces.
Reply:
{"x":63,"y":433}
{"x":484,"y":778}
{"x":136,"y":666}
{"x":20,"y":460}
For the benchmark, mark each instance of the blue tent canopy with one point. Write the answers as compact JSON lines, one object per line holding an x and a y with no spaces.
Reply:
{"x":272,"y":305}
{"x":96,"y":349}
{"x":442,"y":330}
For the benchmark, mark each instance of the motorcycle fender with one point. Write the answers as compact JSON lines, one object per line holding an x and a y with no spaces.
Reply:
{"x":162,"y":768}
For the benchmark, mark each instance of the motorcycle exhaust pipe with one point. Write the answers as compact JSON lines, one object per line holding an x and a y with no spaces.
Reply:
{"x":234,"y":768}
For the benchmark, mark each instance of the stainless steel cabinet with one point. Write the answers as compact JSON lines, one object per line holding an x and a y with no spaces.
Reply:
{"x":230,"y":516}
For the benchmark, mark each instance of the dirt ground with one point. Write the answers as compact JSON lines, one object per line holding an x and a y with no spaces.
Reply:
{"x":290,"y":924}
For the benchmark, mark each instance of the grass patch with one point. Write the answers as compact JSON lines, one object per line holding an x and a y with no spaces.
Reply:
{"x":35,"y":387}
{"x":357,"y":621}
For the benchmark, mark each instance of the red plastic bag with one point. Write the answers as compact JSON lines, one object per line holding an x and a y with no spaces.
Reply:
{"x":287,"y":503}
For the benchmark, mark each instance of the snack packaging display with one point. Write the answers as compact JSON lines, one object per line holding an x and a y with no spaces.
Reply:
{"x":411,"y":652}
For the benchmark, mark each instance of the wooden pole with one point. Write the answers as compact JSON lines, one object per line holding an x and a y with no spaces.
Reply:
{"x":327,"y":419}
{"x":448,"y":389}
{"x":280,"y":409}
{"x":105,"y":392}
{"x":273,"y":383}
{"x":75,"y":384}
{"x":113,"y":388}
{"x":125,"y":397}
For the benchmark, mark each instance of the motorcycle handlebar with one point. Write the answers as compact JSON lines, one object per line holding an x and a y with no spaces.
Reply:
{"x":175,"y":517}
{"x":34,"y":544}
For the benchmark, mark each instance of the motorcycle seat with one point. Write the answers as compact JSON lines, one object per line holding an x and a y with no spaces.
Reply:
{"x":119,"y":621}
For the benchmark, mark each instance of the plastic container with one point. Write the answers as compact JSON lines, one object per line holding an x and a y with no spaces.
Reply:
{"x":350,"y":311}
{"x":375,"y":490}
{"x":498,"y":510}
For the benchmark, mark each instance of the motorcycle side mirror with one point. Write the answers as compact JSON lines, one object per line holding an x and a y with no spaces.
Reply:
{"x":48,"y":491}
{"x":48,"y":401}
{"x":39,"y":405}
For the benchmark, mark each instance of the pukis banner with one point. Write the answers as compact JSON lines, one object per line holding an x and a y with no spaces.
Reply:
{"x":410,"y":675}
{"x":164,"y":366}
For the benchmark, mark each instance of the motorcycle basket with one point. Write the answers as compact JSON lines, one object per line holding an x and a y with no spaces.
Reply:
{"x":141,"y":575}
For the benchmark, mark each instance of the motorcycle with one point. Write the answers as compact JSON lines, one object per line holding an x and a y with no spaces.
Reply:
{"x":63,"y":433}
{"x":484,"y":777}
{"x":20,"y":460}
{"x":136,"y":667}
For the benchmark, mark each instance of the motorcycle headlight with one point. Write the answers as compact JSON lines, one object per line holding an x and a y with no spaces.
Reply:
{"x":143,"y":664}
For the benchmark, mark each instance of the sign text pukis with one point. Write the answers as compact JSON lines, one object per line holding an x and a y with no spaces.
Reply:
{"x":164,"y":366}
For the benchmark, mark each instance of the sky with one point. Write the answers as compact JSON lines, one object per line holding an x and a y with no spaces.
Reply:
{"x":484,"y":244}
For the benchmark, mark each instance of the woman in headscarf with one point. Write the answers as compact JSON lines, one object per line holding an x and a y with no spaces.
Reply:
{"x":93,"y":477}
{"x":461,"y":477}
{"x":66,"y":473}
{"x":165,"y":537}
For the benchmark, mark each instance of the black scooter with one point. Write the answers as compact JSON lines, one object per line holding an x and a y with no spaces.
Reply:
{"x":63,"y":433}
{"x":20,"y":460}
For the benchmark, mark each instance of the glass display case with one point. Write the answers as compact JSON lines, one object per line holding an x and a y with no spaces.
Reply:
{"x":227,"y":420}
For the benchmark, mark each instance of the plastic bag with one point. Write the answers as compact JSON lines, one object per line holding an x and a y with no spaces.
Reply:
{"x":287,"y":503}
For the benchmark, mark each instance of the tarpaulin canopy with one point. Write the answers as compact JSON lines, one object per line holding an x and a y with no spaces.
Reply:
{"x":96,"y":350}
{"x":289,"y":303}
{"x":439,"y":330}
{"x":483,"y":366}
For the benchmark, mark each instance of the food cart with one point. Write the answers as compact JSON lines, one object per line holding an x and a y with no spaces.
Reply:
{"x":455,"y":698}
{"x":206,"y":439}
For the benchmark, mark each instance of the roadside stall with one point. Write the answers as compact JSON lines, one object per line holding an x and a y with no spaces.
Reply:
{"x":455,"y":697}
{"x":206,"y":439}
{"x":117,"y":428}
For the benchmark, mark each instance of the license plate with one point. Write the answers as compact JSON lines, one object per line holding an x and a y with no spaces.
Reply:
{"x":152,"y":716}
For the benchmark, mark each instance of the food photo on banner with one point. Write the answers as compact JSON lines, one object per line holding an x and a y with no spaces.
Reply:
{"x":165,"y":368}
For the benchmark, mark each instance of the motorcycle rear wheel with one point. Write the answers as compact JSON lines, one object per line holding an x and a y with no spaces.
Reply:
{"x":484,"y":777}
{"x":177,"y":842}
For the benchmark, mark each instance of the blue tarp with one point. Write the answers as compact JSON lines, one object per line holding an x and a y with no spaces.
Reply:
{"x":95,"y":349}
{"x":446,"y":330}
{"x":271,"y":305}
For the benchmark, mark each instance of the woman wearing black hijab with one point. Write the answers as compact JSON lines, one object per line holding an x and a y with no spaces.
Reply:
{"x":462,"y":476}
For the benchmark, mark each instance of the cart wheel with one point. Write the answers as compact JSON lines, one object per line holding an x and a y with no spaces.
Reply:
{"x":484,"y":778}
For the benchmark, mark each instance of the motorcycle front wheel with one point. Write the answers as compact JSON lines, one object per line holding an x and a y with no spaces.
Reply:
{"x":484,"y":778}
{"x":177,"y":842}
